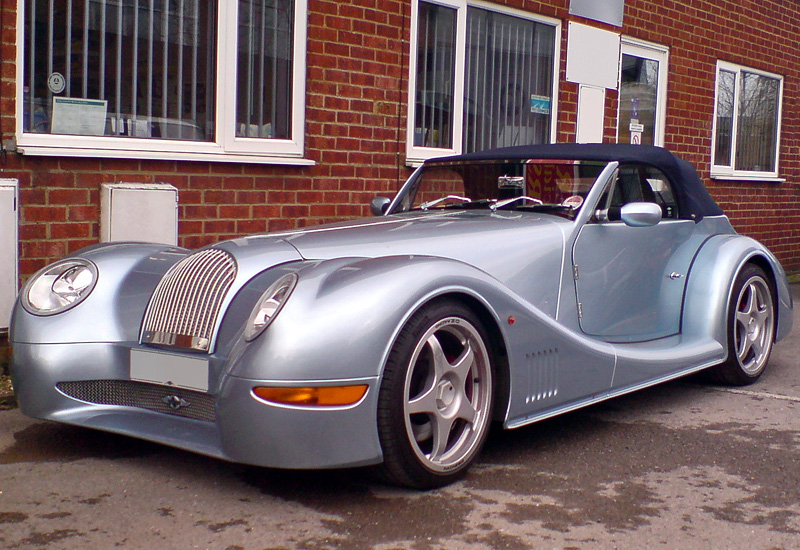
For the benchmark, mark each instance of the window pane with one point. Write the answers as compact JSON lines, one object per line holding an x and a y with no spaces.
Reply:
{"x":756,"y":137}
{"x":638,"y":96}
{"x":436,"y":37}
{"x":637,"y":183}
{"x":264,"y":69}
{"x":134,"y":68}
{"x":726,"y":89}
{"x":508,"y":88}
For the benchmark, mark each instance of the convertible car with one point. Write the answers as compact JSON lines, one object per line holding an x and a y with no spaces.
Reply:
{"x":502,"y":287}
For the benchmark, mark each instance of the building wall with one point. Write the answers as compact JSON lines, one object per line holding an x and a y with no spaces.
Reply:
{"x":759,"y":34}
{"x":355,"y":88}
{"x":355,"y":128}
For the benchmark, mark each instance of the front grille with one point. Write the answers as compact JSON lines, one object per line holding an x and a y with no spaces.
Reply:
{"x":184,"y":308}
{"x":126,"y":393}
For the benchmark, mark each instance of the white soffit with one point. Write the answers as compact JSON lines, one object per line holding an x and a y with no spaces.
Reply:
{"x":592,"y":56}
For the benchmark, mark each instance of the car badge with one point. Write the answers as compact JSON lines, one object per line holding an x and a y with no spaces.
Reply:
{"x":175,"y":402}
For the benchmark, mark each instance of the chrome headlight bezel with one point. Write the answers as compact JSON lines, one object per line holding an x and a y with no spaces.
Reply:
{"x":269,"y":305}
{"x":59,"y":287}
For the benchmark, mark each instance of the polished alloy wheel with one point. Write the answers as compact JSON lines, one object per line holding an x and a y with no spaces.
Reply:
{"x":753,"y":325}
{"x":448,"y":388}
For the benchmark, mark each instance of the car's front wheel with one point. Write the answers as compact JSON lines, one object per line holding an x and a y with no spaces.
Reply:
{"x":436,"y":397}
{"x":751,"y":328}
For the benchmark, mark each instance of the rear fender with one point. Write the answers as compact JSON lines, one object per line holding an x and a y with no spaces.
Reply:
{"x":711,"y":279}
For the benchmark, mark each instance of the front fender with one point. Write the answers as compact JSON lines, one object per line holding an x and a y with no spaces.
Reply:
{"x":711,"y":279}
{"x":127,"y":275}
{"x":344,"y":315}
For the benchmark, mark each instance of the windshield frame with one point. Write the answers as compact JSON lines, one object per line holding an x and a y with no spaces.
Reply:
{"x":401,"y":202}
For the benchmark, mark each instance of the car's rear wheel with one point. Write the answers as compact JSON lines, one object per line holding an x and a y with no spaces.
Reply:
{"x":751,"y":328}
{"x":436,"y":397}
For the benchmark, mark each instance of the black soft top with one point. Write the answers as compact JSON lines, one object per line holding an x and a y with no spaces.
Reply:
{"x":693,"y":199}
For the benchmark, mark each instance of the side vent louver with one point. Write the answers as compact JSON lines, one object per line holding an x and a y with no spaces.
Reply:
{"x":543,"y":367}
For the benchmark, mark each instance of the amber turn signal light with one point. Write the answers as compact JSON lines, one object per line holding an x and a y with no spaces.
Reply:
{"x":322,"y":396}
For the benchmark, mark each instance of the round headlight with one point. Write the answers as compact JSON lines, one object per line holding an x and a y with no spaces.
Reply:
{"x":269,"y":305}
{"x":59,"y":287}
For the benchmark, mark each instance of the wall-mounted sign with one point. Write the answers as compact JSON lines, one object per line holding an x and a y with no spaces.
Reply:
{"x":606,"y":11}
{"x":592,"y":56}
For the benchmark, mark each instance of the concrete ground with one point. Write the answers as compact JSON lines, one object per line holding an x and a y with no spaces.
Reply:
{"x":682,"y":465}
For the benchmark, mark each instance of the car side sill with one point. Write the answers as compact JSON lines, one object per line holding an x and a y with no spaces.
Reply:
{"x":543,"y":415}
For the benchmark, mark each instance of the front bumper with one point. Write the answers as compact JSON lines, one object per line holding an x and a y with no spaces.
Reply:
{"x":239,"y":427}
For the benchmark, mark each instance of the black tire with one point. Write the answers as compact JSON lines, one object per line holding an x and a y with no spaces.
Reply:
{"x":436,"y":397}
{"x":751,"y":328}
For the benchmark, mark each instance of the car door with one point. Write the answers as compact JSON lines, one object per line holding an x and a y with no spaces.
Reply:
{"x":630,"y":280}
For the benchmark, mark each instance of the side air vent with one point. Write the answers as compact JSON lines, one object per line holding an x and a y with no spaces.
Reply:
{"x":543,"y":366}
{"x":184,"y":308}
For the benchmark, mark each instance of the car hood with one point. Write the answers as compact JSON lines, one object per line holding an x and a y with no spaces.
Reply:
{"x":518,"y":249}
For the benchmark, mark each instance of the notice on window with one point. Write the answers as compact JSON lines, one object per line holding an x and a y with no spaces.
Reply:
{"x":540,"y":104}
{"x":84,"y":117}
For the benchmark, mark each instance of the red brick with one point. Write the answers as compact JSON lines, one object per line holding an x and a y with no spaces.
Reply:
{"x":70,"y":230}
{"x":237,"y":211}
{"x":68,"y":196}
{"x":44,"y":213}
{"x":84,"y":213}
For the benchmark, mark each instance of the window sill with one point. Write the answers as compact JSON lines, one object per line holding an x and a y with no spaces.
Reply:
{"x":48,"y":151}
{"x":748,"y":178}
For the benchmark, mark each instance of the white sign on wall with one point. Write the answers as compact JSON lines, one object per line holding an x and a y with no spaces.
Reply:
{"x":593,"y":56}
{"x":607,"y":11}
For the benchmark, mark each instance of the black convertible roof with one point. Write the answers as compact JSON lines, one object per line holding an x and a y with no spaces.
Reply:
{"x":693,"y":199}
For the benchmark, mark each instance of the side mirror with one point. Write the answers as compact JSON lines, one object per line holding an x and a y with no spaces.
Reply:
{"x":641,"y":214}
{"x":379,"y":205}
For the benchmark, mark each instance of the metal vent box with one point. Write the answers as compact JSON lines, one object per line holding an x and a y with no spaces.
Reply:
{"x":144,"y":212}
{"x":9,"y":248}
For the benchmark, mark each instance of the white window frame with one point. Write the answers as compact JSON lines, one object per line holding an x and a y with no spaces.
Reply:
{"x":226,"y":147}
{"x":654,"y":52}
{"x":417,"y":154}
{"x":730,"y":172}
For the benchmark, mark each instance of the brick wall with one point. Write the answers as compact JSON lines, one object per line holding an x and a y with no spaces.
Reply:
{"x":761,"y":34}
{"x":356,"y":90}
{"x":355,"y":128}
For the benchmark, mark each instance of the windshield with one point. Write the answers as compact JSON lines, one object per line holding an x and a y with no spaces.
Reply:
{"x":554,"y":186}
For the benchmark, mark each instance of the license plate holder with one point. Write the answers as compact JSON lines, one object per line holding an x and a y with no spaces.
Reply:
{"x":169,"y":369}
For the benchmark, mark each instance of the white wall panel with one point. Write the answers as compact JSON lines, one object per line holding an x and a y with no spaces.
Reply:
{"x":591,"y":114}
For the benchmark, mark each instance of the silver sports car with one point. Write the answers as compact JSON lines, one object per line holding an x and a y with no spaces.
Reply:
{"x":509,"y":286}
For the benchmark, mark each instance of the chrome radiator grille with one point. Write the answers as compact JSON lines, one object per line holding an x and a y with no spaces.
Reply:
{"x":185,"y":305}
